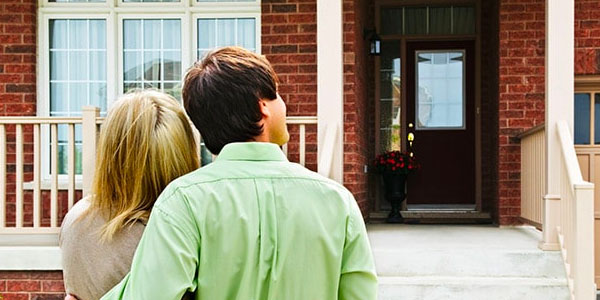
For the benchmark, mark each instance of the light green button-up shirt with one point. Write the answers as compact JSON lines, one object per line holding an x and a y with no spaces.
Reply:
{"x":252,"y":226}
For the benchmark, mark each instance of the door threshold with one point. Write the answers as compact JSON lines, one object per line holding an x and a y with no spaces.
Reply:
{"x":441,"y":207}
{"x":437,"y":217}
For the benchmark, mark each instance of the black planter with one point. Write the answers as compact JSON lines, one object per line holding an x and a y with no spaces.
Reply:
{"x":394,"y":184}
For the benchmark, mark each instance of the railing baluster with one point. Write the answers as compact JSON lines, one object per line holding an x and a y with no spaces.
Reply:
{"x":37,"y":207}
{"x":2,"y":176}
{"x":19,"y":176}
{"x":54,"y":175}
{"x":71,"y":166}
{"x":284,"y":148}
{"x":302,"y":144}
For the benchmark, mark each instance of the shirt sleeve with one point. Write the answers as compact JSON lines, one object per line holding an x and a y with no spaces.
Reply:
{"x":358,"y":279}
{"x":165,"y":262}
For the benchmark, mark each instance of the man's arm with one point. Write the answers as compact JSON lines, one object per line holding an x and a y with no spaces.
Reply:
{"x":358,"y":280}
{"x":166,"y":259}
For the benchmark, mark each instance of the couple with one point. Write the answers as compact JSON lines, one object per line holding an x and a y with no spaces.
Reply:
{"x":249,"y":226}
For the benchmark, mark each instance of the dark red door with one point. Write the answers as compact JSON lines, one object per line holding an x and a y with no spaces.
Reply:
{"x":441,"y":117}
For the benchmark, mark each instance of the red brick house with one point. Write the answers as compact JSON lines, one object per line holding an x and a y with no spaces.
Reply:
{"x":465,"y":78}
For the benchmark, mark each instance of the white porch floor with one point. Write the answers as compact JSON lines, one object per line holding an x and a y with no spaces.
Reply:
{"x":465,"y":262}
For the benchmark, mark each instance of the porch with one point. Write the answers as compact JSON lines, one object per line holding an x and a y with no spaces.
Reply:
{"x":465,"y":262}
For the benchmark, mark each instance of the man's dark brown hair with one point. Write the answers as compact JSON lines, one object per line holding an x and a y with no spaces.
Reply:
{"x":221,"y":95}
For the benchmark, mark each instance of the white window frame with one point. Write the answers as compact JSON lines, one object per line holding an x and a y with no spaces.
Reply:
{"x":114,"y":11}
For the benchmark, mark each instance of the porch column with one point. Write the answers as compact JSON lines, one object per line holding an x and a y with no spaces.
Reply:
{"x":560,"y":38}
{"x":330,"y":89}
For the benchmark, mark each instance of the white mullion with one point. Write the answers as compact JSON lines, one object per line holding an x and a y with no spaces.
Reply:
{"x":143,"y":54}
{"x":88,"y":63}
{"x":68,"y":66}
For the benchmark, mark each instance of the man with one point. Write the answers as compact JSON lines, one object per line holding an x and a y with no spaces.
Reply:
{"x":251,"y":225}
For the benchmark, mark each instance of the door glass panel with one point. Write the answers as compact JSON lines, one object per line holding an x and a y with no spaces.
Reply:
{"x":440,"y":90}
{"x":597,"y":119}
{"x":390,"y":96}
{"x":582,"y":119}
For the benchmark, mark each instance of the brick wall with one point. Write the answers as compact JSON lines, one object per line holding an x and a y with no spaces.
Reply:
{"x":521,"y":93}
{"x":31,"y":285}
{"x":17,"y":57}
{"x":357,"y":67}
{"x":522,"y":82}
{"x":587,"y":37}
{"x":289,"y":41}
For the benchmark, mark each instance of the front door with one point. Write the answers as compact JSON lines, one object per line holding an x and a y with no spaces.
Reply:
{"x":440,"y":120}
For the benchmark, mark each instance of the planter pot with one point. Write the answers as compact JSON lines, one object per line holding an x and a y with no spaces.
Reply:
{"x":394,"y":185}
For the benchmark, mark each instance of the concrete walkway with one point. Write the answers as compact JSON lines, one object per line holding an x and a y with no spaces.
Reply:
{"x":465,"y":262}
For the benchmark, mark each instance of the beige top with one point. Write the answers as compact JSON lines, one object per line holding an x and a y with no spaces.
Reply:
{"x":92,"y":268}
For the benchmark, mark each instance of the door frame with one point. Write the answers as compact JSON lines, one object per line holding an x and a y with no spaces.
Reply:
{"x":403,"y":39}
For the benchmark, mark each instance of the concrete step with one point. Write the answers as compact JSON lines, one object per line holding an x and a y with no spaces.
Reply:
{"x":471,"y":288}
{"x":465,"y":262}
{"x":469,"y":262}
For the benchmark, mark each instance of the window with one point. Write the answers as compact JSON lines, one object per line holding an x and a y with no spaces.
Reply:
{"x":440,"y":85}
{"x":587,"y":118}
{"x":95,"y":50}
{"x":428,"y":20}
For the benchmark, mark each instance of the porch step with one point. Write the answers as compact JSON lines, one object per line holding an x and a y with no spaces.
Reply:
{"x":467,"y":288}
{"x":465,"y":262}
{"x":436,"y":217}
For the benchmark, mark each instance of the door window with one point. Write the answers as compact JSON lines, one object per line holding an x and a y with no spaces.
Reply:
{"x":440,"y":89}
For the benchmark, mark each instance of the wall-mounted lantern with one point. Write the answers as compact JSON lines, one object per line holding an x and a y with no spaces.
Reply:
{"x":374,"y":41}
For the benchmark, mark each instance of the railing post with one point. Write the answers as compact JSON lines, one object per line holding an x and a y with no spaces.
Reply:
{"x":559,"y":104}
{"x":89,"y":136}
{"x":330,"y":89}
{"x":583,"y":276}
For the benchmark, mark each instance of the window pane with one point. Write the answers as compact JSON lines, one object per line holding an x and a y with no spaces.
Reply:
{"x":597,"y":119}
{"x":582,"y":119}
{"x":154,"y":59}
{"x":77,"y":74}
{"x":226,"y":32}
{"x":226,"y":0}
{"x":246,"y":33}
{"x":390,"y":93}
{"x":416,"y":20}
{"x":132,"y":34}
{"x":150,"y":0}
{"x":72,"y":1}
{"x":440,"y":101}
{"x":391,"y":20}
{"x":77,"y":63}
{"x":152,"y":33}
{"x":463,"y":20}
{"x":440,"y":20}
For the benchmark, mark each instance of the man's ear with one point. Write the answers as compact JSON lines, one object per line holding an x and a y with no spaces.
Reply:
{"x":264,"y":108}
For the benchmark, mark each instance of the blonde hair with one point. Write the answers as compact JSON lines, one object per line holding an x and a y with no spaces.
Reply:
{"x":145,"y":142}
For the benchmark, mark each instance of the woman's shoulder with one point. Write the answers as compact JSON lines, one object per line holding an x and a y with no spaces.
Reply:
{"x":74,"y":214}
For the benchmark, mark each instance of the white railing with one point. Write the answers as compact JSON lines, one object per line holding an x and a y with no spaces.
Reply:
{"x":576,"y":223}
{"x":41,"y":185}
{"x":533,"y":175}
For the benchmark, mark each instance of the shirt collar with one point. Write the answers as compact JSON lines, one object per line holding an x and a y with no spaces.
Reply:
{"x":251,"y":151}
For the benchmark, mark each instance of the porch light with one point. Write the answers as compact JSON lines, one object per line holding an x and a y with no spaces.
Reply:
{"x":374,"y":41}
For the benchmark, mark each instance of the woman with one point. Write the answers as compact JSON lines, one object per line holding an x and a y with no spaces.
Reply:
{"x":145,"y":142}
